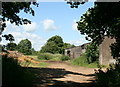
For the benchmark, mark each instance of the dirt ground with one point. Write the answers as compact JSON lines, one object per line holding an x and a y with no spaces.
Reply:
{"x":61,"y":74}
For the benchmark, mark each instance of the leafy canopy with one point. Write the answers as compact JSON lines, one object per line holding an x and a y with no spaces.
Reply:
{"x":54,"y":45}
{"x":92,"y":52}
{"x":10,"y":12}
{"x":100,"y":21}
{"x":25,"y":46}
{"x":11,"y":46}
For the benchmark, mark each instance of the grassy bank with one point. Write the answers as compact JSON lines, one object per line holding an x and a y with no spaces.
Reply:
{"x":82,"y":61}
{"x":53,"y":57}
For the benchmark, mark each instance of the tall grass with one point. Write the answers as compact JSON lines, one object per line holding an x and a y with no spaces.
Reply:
{"x":45,"y":56}
{"x":82,"y":61}
{"x":54,"y":57}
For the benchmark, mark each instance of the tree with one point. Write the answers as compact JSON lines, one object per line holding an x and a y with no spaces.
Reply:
{"x":53,"y":45}
{"x":25,"y":46}
{"x":11,"y":46}
{"x":100,"y":21}
{"x":67,"y":45}
{"x":75,"y":3}
{"x":57,"y":40}
{"x":50,"y":47}
{"x":10,"y":12}
{"x":92,"y":52}
{"x":9,"y":37}
{"x":34,"y":52}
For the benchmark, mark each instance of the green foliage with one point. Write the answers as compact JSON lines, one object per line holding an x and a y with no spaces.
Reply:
{"x":56,"y":57}
{"x":55,"y":45}
{"x":75,"y":4}
{"x":100,"y":21}
{"x":11,"y":46}
{"x":110,"y":78}
{"x":45,"y":56}
{"x":34,"y":52}
{"x":82,"y":61}
{"x":24,"y":46}
{"x":10,"y":12}
{"x":50,"y":47}
{"x":92,"y":52}
{"x":14,"y":75}
{"x":67,"y":45}
{"x":56,"y":39}
{"x":53,"y":57}
{"x":64,"y":58}
{"x":43,"y":64}
{"x":9,"y":37}
{"x":97,"y":21}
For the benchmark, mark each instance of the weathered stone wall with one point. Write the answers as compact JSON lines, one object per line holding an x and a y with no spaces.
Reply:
{"x":73,"y":52}
{"x":105,"y":57}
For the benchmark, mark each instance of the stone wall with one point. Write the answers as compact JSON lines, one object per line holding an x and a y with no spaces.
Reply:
{"x":105,"y":57}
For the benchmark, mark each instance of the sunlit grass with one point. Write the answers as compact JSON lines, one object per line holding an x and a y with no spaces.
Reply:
{"x":41,"y":64}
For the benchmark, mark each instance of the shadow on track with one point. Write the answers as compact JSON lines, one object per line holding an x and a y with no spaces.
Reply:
{"x":45,"y":77}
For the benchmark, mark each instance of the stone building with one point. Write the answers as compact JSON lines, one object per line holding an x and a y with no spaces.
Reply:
{"x":77,"y":51}
{"x":105,"y":57}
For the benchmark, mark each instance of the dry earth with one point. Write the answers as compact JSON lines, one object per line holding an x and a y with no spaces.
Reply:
{"x":61,"y":74}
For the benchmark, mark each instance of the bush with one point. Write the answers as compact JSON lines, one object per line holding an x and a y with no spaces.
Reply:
{"x":80,"y":60}
{"x":110,"y":78}
{"x":64,"y":58}
{"x":45,"y":56}
{"x":92,"y":52}
{"x":14,"y":74}
{"x":56,"y":57}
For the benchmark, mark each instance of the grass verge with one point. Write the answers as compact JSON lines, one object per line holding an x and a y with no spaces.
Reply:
{"x":82,"y":61}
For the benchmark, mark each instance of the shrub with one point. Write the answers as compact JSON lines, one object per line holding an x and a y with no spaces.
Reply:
{"x":56,"y":57}
{"x":110,"y":78}
{"x":80,"y":60}
{"x":64,"y":58}
{"x":45,"y":56}
{"x":92,"y":52}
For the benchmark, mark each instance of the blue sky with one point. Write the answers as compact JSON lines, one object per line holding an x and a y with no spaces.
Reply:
{"x":51,"y":18}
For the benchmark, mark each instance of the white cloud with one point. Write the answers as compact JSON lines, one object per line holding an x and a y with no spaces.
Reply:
{"x":27,"y":28}
{"x":74,"y":25}
{"x":49,"y":25}
{"x":12,"y":27}
{"x":37,"y":41}
{"x":30,"y":27}
{"x":78,"y":42}
{"x":23,"y":32}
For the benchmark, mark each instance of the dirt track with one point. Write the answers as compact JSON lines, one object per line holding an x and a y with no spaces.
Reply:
{"x":59,"y":74}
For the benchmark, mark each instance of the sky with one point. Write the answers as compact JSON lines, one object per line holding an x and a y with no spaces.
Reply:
{"x":51,"y":18}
